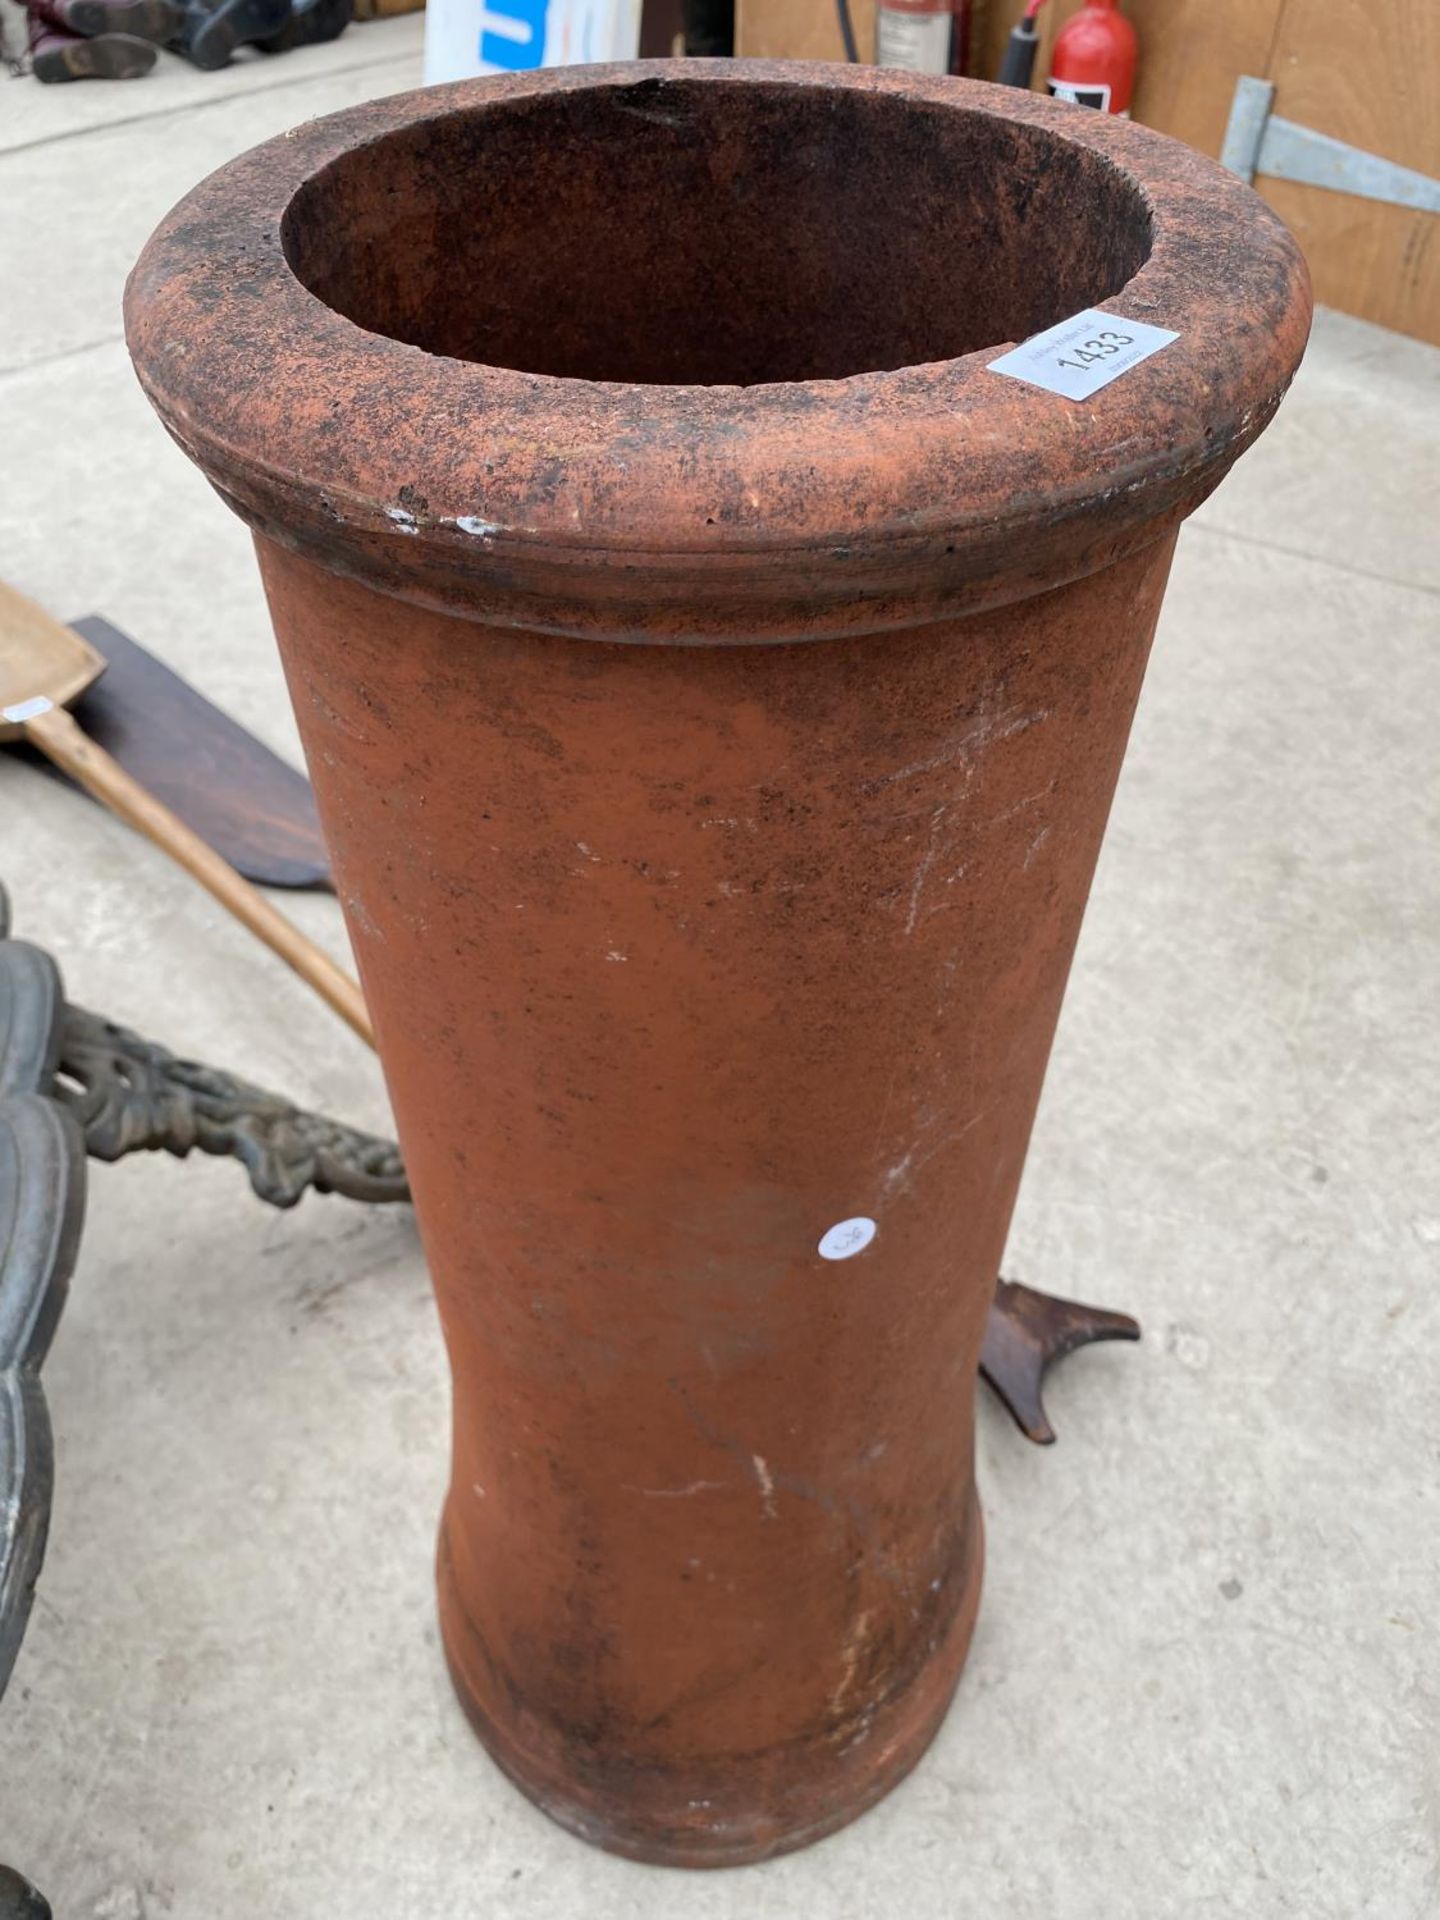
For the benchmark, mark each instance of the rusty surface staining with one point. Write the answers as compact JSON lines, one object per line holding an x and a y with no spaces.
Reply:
{"x":685,"y":953}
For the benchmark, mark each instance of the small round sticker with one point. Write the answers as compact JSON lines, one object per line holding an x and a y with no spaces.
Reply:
{"x":847,"y":1238}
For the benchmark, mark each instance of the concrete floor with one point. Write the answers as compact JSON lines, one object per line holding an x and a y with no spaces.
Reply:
{"x":1206,"y":1677}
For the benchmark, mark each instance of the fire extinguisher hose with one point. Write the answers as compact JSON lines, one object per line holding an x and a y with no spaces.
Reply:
{"x":1017,"y":65}
{"x":847,"y":31}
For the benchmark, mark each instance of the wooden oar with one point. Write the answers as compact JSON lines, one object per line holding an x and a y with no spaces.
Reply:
{"x":43,"y":666}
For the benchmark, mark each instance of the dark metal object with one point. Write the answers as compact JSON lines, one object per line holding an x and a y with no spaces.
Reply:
{"x":42,"y":1201}
{"x":30,"y":1011}
{"x":19,"y":1900}
{"x":42,"y":1205}
{"x":1027,"y":1332}
{"x":130,"y":1094}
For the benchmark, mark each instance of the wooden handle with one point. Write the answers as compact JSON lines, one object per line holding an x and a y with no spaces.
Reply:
{"x":58,"y":735}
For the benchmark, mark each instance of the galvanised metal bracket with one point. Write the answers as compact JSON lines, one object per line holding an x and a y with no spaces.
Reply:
{"x":1257,"y":142}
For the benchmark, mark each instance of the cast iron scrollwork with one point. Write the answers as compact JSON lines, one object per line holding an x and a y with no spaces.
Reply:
{"x":130,"y":1094}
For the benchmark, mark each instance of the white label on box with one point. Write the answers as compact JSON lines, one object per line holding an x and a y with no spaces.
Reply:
{"x":1083,"y":354}
{"x":1083,"y":93}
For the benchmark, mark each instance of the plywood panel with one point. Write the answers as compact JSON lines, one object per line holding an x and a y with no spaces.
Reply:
{"x":800,"y":29}
{"x":1364,"y":71}
{"x":1191,"y":54}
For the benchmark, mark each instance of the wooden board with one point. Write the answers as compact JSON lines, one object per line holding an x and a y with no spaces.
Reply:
{"x":242,"y":799}
{"x":800,"y":29}
{"x":1366,"y":72}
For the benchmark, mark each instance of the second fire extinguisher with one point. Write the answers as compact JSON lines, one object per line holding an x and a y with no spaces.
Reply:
{"x":1094,"y":59}
{"x":927,"y":36}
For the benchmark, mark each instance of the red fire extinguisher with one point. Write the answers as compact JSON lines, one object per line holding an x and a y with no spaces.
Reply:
{"x":1094,"y":59}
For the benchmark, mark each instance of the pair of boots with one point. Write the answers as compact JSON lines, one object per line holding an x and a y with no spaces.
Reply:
{"x":119,"y":39}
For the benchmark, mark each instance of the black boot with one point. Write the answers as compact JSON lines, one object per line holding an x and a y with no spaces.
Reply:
{"x":154,"y":20}
{"x":57,"y":55}
{"x":213,"y":29}
{"x":310,"y":22}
